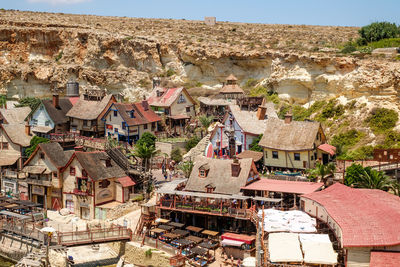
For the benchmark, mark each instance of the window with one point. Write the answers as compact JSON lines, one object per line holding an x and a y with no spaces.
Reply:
{"x":275,"y":155}
{"x":132,"y":114}
{"x":84,"y":173}
{"x":104,"y":184}
{"x":265,"y":154}
{"x":145,"y":126}
{"x":72,"y":171}
{"x":312,"y":157}
{"x":296,"y":156}
{"x":124,"y":126}
{"x":41,"y":107}
{"x":82,"y":184}
{"x":202,"y":173}
{"x":187,"y":109}
{"x":34,"y":122}
{"x":153,"y":126}
{"x":115,"y":113}
{"x":181,"y":99}
{"x":110,"y":117}
{"x":116,"y":130}
{"x":5,"y":146}
{"x":42,"y":155}
{"x":94,"y":122}
{"x":47,"y":123}
{"x":108,"y":163}
{"x":85,"y":123}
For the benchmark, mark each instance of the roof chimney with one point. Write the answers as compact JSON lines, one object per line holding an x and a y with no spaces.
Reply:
{"x":235,"y":167}
{"x":27,"y":128}
{"x":56,"y":100}
{"x":288,"y":117}
{"x":145,"y":104}
{"x":261,"y":111}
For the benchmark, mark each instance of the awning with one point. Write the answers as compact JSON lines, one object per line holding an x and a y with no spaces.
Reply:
{"x":36,"y":170}
{"x":178,"y":117}
{"x":42,"y":129}
{"x":177,"y":225}
{"x":166,"y":227}
{"x":6,"y":160}
{"x":13,"y":214}
{"x":126,"y":181}
{"x":161,"y":220}
{"x":194,"y":229}
{"x":267,"y":199}
{"x":331,"y":150}
{"x":170,"y":235}
{"x":232,"y":243}
{"x":199,"y":251}
{"x":211,"y":233}
{"x":180,"y":232}
{"x":157,"y":230}
{"x":284,"y":247}
{"x":248,"y":239}
{"x":195,"y":239}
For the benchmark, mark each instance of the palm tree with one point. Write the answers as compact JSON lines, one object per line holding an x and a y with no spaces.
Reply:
{"x":186,"y":167}
{"x":373,"y":179}
{"x":205,"y":122}
{"x":145,"y":152}
{"x":323,"y":171}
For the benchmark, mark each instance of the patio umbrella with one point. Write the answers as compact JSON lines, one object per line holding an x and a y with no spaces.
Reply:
{"x":47,"y":230}
{"x":249,"y":262}
{"x":209,"y":152}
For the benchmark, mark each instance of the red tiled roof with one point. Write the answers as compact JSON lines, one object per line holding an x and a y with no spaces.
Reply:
{"x":367,"y":217}
{"x":283,"y":186}
{"x":126,"y":181}
{"x":73,"y":99}
{"x":248,"y":239}
{"x":148,"y":114}
{"x":384,"y":259}
{"x":166,"y":99}
{"x":141,"y":116}
{"x":328,"y":149}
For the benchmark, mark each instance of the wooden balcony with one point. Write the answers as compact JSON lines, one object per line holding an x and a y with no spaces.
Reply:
{"x":14,"y":174}
{"x":204,"y":208}
{"x":42,"y":181}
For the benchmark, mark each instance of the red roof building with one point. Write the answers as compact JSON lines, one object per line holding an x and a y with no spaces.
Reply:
{"x":282,"y":186}
{"x":385,"y":259}
{"x":362,"y":219}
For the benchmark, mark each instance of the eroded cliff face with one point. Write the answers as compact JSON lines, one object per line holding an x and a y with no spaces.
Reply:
{"x":38,"y":50}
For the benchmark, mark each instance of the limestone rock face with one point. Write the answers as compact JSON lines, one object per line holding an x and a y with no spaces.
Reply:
{"x":41,"y":50}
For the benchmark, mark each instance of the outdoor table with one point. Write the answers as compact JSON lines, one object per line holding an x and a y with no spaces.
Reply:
{"x":195,"y":239}
{"x":180,"y":232}
{"x":165,"y":227}
{"x":176,"y":225}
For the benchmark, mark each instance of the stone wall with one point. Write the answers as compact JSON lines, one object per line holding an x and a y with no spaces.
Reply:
{"x":167,"y":147}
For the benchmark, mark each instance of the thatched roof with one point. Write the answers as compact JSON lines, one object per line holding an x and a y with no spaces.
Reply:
{"x":14,"y":115}
{"x":16,"y":133}
{"x":89,"y":110}
{"x":249,"y":154}
{"x":293,"y":136}
{"x":231,"y":89}
{"x":215,"y":101}
{"x":220,"y":175}
{"x":54,"y":152}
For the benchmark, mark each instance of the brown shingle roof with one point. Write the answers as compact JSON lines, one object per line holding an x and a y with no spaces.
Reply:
{"x":231,"y":77}
{"x":231,"y":89}
{"x":293,"y":136}
{"x":142,"y":116}
{"x":58,"y":115}
{"x":219,"y":175}
{"x":15,"y":115}
{"x":55,"y":153}
{"x":89,"y":110}
{"x":249,"y":154}
{"x":16,"y":132}
{"x":94,"y":164}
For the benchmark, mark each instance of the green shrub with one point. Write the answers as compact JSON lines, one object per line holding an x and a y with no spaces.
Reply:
{"x":33,"y":144}
{"x":377,"y":31}
{"x":59,"y":56}
{"x":250,"y":83}
{"x":347,"y":139}
{"x":382,"y":119}
{"x":361,"y":153}
{"x":176,"y":155}
{"x":138,"y":198}
{"x":331,"y":110}
{"x":170,"y":72}
{"x":273,"y":97}
{"x":254,"y":145}
{"x":148,"y":253}
{"x":259,"y":91}
{"x":31,"y":102}
{"x":392,"y":139}
{"x":147,"y":138}
{"x":352,"y":173}
{"x":348,"y":48}
{"x":192,"y":142}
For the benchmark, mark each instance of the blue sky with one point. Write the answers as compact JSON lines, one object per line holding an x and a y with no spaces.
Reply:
{"x":310,"y":12}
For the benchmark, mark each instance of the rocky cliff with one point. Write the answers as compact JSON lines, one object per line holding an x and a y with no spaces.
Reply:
{"x":39,"y":50}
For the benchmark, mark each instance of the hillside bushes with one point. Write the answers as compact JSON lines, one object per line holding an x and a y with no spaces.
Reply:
{"x":377,"y":31}
{"x":382,"y":119}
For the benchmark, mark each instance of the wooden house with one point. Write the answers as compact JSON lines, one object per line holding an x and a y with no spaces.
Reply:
{"x":211,"y":198}
{"x":289,"y":144}
{"x":15,"y":115}
{"x":93,"y":179}
{"x":128,"y":122}
{"x":86,"y":115}
{"x":247,"y":126}
{"x":175,"y":104}
{"x":365,"y":223}
{"x":231,"y":89}
{"x":43,"y":174}
{"x":14,"y":139}
{"x":50,"y":116}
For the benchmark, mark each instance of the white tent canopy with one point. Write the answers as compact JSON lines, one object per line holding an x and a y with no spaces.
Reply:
{"x":249,"y":262}
{"x":317,"y":249}
{"x":284,"y":247}
{"x":294,"y":221}
{"x":233,"y":243}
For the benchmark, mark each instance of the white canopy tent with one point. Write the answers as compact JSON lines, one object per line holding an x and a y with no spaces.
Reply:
{"x":233,"y":243}
{"x":317,"y":249}
{"x":293,"y":221}
{"x":284,"y":247}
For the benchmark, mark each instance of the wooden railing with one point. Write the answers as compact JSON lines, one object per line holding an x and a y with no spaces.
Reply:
{"x":22,"y":229}
{"x":92,"y":236}
{"x":225,"y":210}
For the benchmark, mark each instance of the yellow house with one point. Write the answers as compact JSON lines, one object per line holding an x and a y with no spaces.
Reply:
{"x":289,"y":144}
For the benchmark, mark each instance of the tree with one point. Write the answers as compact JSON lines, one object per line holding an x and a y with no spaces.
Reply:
{"x":176,"y":155}
{"x":377,"y":31}
{"x":352,"y":174}
{"x":32,"y":102}
{"x":3,"y":101}
{"x":147,"y":138}
{"x":33,"y":144}
{"x":323,"y":171}
{"x":144,"y":152}
{"x":254,"y":146}
{"x":206,"y":121}
{"x":373,"y":179}
{"x":186,"y":167}
{"x":192,"y":142}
